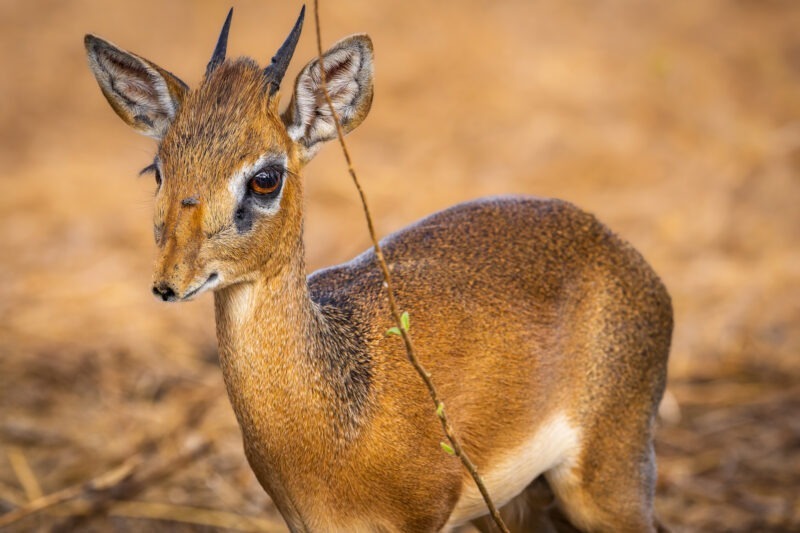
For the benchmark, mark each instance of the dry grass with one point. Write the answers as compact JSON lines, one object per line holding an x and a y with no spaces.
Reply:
{"x":677,"y":123}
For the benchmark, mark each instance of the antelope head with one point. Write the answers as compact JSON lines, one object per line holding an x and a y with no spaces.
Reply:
{"x":228,"y":204}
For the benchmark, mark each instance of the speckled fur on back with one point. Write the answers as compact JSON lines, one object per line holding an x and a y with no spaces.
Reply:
{"x":546,"y":334}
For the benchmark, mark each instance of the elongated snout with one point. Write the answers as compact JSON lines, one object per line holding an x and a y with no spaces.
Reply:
{"x":165,"y":292}
{"x":179,"y":272}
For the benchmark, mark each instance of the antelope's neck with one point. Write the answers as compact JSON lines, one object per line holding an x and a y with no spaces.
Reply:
{"x":266,"y":353}
{"x":290,"y":370}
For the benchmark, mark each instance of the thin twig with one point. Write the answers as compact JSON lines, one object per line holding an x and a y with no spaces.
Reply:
{"x":11,"y":494}
{"x":194,"y":515}
{"x":124,"y":481}
{"x":119,"y":474}
{"x":160,"y":511}
{"x":24,"y":472}
{"x":387,"y":278}
{"x":135,"y":474}
{"x":151,"y":473}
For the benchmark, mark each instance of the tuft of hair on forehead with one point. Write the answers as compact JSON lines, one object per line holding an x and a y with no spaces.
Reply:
{"x":230,"y":117}
{"x":235,"y":86}
{"x":235,"y":75}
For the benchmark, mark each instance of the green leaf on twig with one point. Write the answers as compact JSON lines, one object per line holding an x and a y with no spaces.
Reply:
{"x":440,"y":410}
{"x":393,"y":331}
{"x":447,"y":448}
{"x":405,"y":320}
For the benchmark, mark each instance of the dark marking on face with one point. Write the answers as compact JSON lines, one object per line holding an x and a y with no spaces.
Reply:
{"x":190,"y":201}
{"x":245,"y":215}
{"x":254,"y":204}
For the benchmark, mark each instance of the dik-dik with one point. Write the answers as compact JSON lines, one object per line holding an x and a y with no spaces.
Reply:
{"x":546,"y":334}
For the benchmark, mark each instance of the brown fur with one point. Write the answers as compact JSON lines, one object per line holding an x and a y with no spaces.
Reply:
{"x":521,"y":308}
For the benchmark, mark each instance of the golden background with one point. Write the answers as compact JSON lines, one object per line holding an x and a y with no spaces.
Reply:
{"x":676,"y":123}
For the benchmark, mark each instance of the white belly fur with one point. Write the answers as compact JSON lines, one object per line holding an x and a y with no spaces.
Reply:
{"x":555,"y":443}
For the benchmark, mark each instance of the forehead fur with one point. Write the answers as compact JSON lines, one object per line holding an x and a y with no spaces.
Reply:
{"x":226,"y":122}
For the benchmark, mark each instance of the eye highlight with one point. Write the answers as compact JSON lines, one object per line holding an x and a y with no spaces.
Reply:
{"x":266,"y":181}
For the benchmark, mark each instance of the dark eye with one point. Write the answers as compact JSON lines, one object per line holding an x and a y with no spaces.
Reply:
{"x":265,"y":181}
{"x":158,"y":177}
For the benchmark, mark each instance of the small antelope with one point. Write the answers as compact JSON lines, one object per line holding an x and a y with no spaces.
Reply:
{"x":546,"y":334}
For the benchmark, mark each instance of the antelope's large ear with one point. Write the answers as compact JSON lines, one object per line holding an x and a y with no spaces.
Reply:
{"x":348,"y":76}
{"x":143,"y":94}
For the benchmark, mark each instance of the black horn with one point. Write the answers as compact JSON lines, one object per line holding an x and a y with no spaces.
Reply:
{"x":222,"y":46}
{"x":273,"y":74}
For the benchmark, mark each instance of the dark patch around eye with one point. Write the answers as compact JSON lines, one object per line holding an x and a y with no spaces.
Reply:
{"x":248,"y":209}
{"x":244,"y":216}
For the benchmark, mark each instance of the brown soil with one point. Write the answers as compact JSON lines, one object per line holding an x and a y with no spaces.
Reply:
{"x":678,"y":124}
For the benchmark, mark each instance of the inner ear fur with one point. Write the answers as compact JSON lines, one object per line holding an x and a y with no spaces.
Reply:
{"x":349,"y":80}
{"x":143,"y":94}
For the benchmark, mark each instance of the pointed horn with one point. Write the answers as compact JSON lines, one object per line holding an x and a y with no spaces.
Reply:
{"x":273,"y":74}
{"x":222,"y":46}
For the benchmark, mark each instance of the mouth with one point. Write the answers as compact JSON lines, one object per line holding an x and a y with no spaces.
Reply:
{"x":212,"y":281}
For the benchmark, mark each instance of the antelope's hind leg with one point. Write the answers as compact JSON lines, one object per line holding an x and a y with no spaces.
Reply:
{"x":606,"y":493}
{"x":609,"y":485}
{"x":623,"y":335}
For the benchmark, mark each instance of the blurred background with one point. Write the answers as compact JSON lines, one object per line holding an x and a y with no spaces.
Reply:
{"x":676,"y":123}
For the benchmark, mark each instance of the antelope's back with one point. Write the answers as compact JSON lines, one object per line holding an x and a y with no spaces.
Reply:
{"x":496,"y":260}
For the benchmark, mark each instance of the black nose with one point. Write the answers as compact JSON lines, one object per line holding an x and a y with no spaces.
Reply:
{"x":164,"y":291}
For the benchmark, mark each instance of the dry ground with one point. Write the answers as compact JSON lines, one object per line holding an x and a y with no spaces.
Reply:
{"x":677,"y":123}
